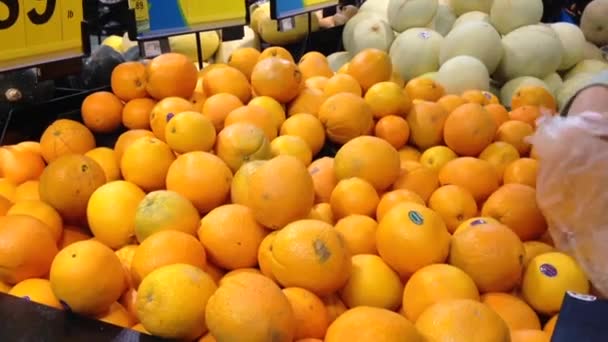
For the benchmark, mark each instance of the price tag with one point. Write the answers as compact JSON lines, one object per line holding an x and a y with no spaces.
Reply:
{"x":152,"y":48}
{"x":37,"y":31}
{"x":289,"y":8}
{"x":170,"y":17}
{"x":287,"y":24}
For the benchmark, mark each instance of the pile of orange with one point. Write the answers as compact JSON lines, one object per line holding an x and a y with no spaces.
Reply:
{"x":212,"y":218}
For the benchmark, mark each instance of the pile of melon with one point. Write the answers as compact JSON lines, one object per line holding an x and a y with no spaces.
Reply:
{"x":492,"y":45}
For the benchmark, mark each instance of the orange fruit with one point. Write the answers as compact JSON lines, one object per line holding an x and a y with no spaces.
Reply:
{"x":164,"y":110}
{"x":125,"y":255}
{"x":436,"y":157}
{"x":280,"y":191}
{"x":515,"y":206}
{"x":277,"y":52}
{"x":292,"y":145}
{"x":309,"y":100}
{"x":67,"y":184}
{"x":515,"y":312}
{"x":366,"y":323}
{"x":387,"y":98}
{"x":272,"y":106}
{"x":417,"y":178}
{"x":550,"y":325}
{"x":317,"y":82}
{"x":499,"y":113}
{"x":547,"y":279}
{"x":424,"y":88}
{"x":106,"y":158}
{"x":197,"y":170}
{"x":128,"y":81}
{"x":334,"y":305}
{"x":409,"y":153}
{"x":322,"y":212}
{"x":514,"y":132}
{"x":127,"y":138}
{"x":342,"y":83}
{"x":522,"y":171}
{"x":426,"y":121}
{"x":146,"y":162}
{"x":314,"y":64}
{"x":411,"y":236}
{"x":370,"y":66}
{"x":65,"y":136}
{"x":171,"y":301}
{"x":475,"y":221}
{"x":454,"y":204}
{"x":171,"y":74}
{"x":136,"y":113}
{"x":307,"y":127}
{"x":72,"y":234}
{"x":372,"y":283}
{"x":433,"y":284}
{"x":227,"y":80}
{"x":199,"y":97}
{"x":475,"y":175}
{"x":111,"y":213}
{"x":231,"y":236}
{"x":117,"y":315}
{"x":530,"y":335}
{"x":527,"y":114}
{"x":499,"y":154}
{"x":265,"y":255}
{"x":28,"y":248}
{"x":322,"y":258}
{"x":534,"y":248}
{"x":250,"y":307}
{"x":75,"y":277}
{"x":353,"y":196}
{"x":462,"y":320}
{"x":392,"y":198}
{"x":239,"y":189}
{"x":310,"y":314}
{"x":140,"y":328}
{"x":207,"y":337}
{"x":533,"y":96}
{"x":27,"y":191}
{"x":190,"y":131}
{"x":323,"y":177}
{"x":469,"y":129}
{"x":32,"y":146}
{"x":244,"y":60}
{"x":36,"y":290}
{"x":369,"y":158}
{"x":481,"y":97}
{"x":164,"y":248}
{"x":102,"y":112}
{"x":491,"y":254}
{"x":218,"y":106}
{"x":20,"y":165}
{"x":41,"y":211}
{"x":278,"y":78}
{"x":393,"y":129}
{"x":242,"y":142}
{"x":345,"y":117}
{"x":397,"y":79}
{"x":359,"y":233}
{"x":5,"y":205}
{"x":450,"y":102}
{"x":255,"y":115}
{"x":165,"y":210}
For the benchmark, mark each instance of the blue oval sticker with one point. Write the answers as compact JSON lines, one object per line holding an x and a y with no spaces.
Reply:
{"x":416,"y":217}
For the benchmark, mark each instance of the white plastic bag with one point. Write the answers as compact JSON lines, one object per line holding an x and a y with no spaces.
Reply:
{"x":572,"y":188}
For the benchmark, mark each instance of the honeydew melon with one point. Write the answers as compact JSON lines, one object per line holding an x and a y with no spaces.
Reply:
{"x":367,"y":30}
{"x":415,"y":52}
{"x":573,"y":41}
{"x":472,"y":16}
{"x":463,"y":6}
{"x":509,"y":88}
{"x":594,"y":22}
{"x":431,"y":75}
{"x":571,"y":86}
{"x":533,"y":50}
{"x":337,"y":59}
{"x":586,"y":66}
{"x":377,"y":6}
{"x":554,"y":82}
{"x":250,"y":39}
{"x":507,"y":15}
{"x":463,"y":73}
{"x":591,"y":51}
{"x":443,"y":20}
{"x":268,"y":28}
{"x":404,"y":14}
{"x":476,"y":39}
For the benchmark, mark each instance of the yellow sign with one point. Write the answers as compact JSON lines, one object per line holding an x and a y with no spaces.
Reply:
{"x":318,"y":3}
{"x":36,"y":31}
{"x":199,"y":12}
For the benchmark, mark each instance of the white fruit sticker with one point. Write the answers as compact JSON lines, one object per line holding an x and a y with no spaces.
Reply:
{"x":424,"y":35}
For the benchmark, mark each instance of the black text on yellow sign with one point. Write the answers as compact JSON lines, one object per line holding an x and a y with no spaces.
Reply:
{"x":35,"y":31}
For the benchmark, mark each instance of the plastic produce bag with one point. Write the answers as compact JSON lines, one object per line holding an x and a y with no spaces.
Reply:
{"x":572,"y":188}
